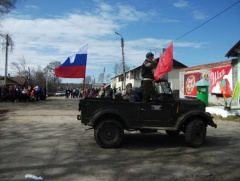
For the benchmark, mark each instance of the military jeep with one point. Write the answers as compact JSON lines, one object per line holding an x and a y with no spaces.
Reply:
{"x":110,"y":117}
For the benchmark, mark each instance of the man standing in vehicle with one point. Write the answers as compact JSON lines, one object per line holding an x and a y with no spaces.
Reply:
{"x":149,"y":92}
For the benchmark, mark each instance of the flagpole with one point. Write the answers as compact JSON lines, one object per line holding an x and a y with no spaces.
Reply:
{"x":83,"y":84}
{"x":236,"y":91}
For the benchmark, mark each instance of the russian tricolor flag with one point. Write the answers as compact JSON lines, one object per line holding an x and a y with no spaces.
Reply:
{"x":75,"y":65}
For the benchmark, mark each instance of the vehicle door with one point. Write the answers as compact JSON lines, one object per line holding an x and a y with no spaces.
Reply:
{"x":156,"y":114}
{"x":160,"y":113}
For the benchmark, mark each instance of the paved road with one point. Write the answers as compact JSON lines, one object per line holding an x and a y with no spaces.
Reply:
{"x":45,"y":139}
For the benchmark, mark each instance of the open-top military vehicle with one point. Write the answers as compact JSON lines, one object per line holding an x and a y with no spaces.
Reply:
{"x":110,"y":117}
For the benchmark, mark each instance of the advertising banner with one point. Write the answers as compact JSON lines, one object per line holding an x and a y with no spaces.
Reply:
{"x":217,"y":75}
{"x":189,"y":81}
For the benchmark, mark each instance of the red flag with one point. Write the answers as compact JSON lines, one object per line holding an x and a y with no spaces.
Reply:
{"x":226,"y":91}
{"x":165,"y":63}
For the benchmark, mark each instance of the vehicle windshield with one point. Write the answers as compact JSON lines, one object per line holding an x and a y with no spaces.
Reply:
{"x":164,"y":87}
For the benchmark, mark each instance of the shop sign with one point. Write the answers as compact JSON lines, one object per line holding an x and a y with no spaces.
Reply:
{"x":189,"y":81}
{"x":217,"y":75}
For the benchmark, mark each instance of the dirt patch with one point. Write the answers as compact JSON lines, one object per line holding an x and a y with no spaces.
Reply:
{"x":229,"y":118}
{"x":46,"y":139}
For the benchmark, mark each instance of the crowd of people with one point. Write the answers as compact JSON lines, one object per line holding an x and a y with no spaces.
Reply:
{"x":38,"y":93}
{"x":91,"y":92}
{"x":132,"y":94}
{"x":16,"y":93}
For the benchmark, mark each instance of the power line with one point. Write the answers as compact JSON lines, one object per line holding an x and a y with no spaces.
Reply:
{"x":206,"y":21}
{"x":185,"y":34}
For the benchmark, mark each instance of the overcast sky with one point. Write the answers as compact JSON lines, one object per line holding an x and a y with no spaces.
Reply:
{"x":50,"y":30}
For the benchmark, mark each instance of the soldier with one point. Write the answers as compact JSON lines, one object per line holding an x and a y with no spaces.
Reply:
{"x":149,"y":92}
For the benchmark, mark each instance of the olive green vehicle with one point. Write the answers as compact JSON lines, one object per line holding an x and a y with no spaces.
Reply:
{"x":110,"y":117}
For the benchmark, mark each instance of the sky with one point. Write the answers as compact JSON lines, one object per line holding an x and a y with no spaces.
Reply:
{"x":50,"y":30}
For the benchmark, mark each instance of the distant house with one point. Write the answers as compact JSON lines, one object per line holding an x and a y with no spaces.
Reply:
{"x":134,"y":77}
{"x":234,"y":51}
{"x":225,"y":72}
{"x":17,"y":80}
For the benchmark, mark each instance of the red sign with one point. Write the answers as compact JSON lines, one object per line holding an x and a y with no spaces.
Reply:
{"x":189,"y":81}
{"x":216,"y":76}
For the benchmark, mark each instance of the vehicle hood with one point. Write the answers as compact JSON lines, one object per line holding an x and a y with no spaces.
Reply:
{"x":190,"y":104}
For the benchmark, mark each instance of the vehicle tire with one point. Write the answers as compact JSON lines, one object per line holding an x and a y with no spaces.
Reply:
{"x":195,"y":133}
{"x":172,"y":133}
{"x":109,"y":133}
{"x":148,"y":130}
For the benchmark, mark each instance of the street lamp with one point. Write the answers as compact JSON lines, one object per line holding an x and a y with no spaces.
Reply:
{"x":123,"y":62}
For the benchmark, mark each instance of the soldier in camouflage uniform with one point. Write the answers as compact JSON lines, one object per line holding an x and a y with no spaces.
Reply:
{"x":149,"y":92}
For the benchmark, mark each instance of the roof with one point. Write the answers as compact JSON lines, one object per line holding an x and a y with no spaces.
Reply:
{"x":202,"y":82}
{"x":18,"y":80}
{"x":176,"y":64}
{"x":210,"y":65}
{"x":233,"y":52}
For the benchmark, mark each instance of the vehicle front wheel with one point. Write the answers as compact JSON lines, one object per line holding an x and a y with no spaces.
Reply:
{"x":195,"y":133}
{"x":109,"y":133}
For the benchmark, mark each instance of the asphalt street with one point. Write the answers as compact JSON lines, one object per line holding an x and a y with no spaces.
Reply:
{"x":46,"y":140}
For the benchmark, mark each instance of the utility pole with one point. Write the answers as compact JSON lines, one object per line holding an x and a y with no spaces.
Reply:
{"x":123,"y":61}
{"x":6,"y":60}
{"x":103,"y":75}
{"x":28,"y":76}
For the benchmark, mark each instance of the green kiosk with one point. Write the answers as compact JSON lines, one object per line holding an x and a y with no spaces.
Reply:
{"x":202,"y":90}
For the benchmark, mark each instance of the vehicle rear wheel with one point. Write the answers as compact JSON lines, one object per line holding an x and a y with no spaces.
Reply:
{"x":195,"y":133}
{"x":172,"y":133}
{"x":109,"y":133}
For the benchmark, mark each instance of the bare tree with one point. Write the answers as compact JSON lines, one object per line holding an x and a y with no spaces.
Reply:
{"x":6,"y":6}
{"x":50,"y":76}
{"x":52,"y":65}
{"x":20,"y":67}
{"x":118,"y":69}
{"x":38,"y":77}
{"x":101,"y":77}
{"x":50,"y":71}
{"x":127,"y":68}
{"x":108,"y":78}
{"x":41,"y":77}
{"x":88,"y":79}
{"x":8,"y":42}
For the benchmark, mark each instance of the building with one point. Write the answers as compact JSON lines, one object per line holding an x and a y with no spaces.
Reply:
{"x":18,"y":80}
{"x":134,"y":77}
{"x":225,"y":73}
{"x":235,"y":52}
